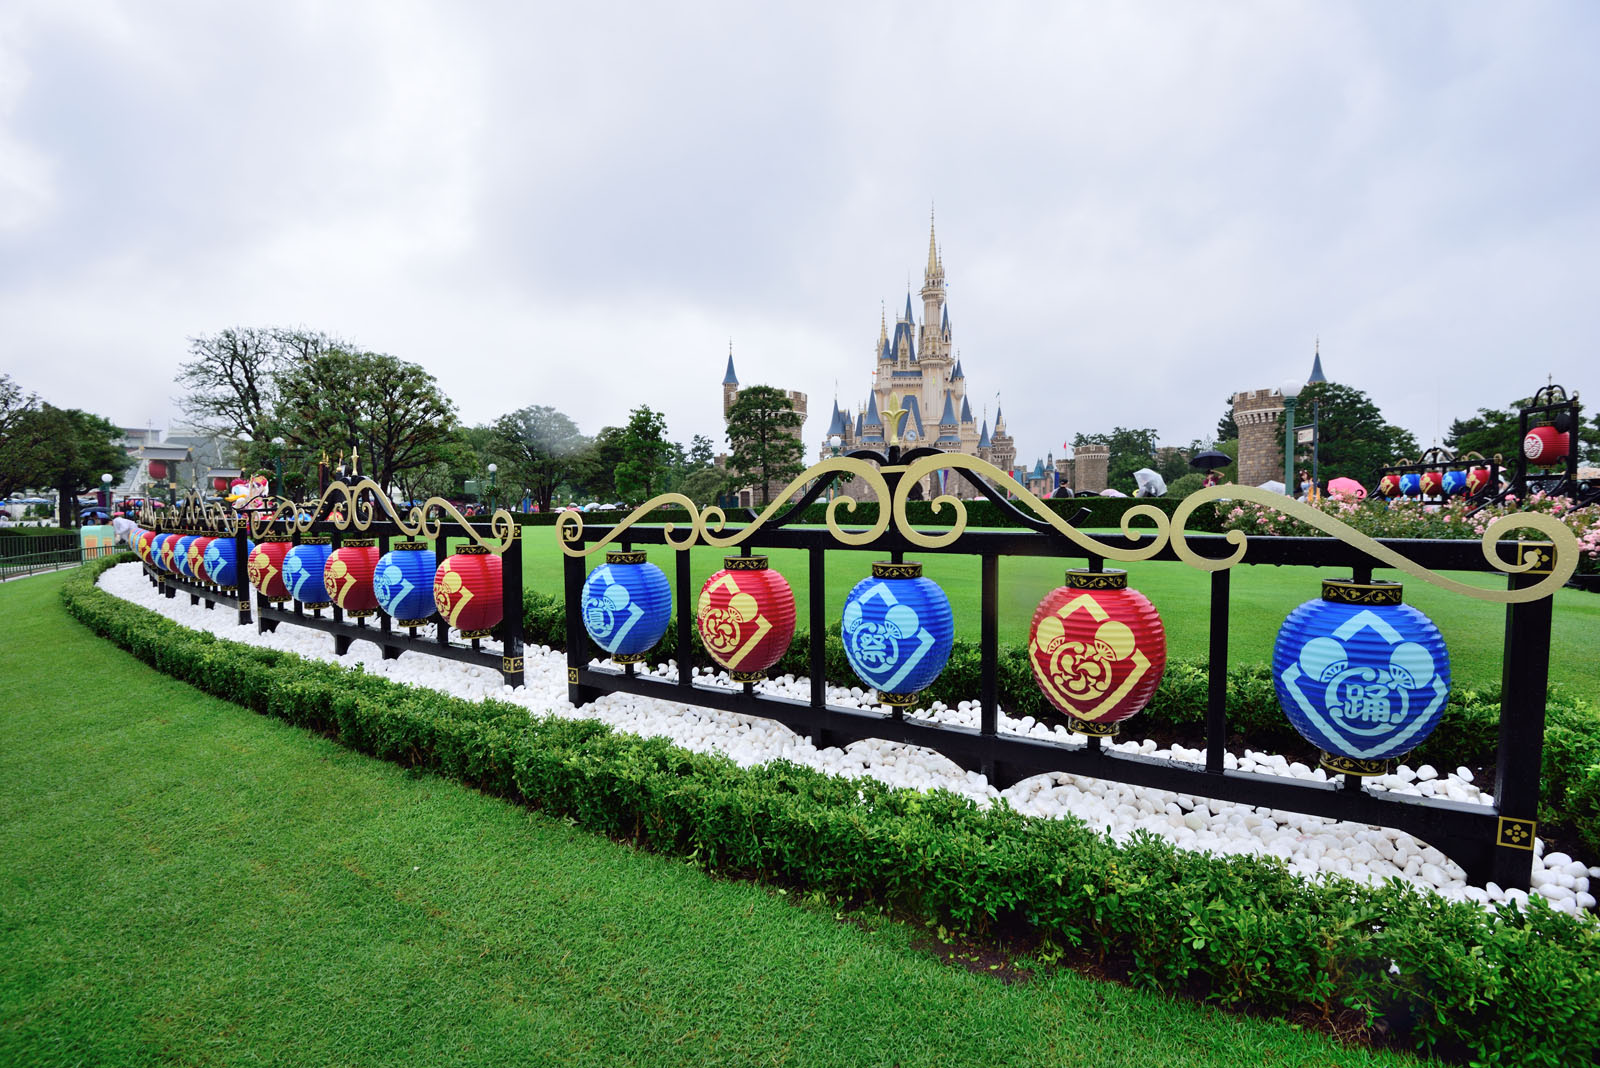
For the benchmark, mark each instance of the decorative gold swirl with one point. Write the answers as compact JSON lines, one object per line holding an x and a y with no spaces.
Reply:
{"x":569,"y":525}
{"x":1563,"y":544}
{"x":867,"y":472}
{"x":1157,"y":539}
{"x":432,"y":508}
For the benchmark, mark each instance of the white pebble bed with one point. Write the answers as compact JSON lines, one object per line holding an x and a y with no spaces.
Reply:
{"x":1310,"y":845}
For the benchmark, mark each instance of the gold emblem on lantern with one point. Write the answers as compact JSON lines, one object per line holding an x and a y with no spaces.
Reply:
{"x":1080,"y":672}
{"x":721,"y":628}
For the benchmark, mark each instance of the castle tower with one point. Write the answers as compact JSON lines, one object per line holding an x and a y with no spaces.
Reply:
{"x":934,"y":345}
{"x":1259,"y":414}
{"x":1002,"y":449}
{"x":730,"y":384}
{"x":1091,"y":468}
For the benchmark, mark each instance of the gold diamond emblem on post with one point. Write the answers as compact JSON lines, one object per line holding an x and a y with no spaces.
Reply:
{"x":1516,"y":834}
{"x":572,"y":676}
{"x":1538,"y":555}
{"x":510,"y":663}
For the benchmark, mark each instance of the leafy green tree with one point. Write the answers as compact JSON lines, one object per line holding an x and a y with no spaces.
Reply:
{"x":703,"y":485}
{"x":1492,"y":430}
{"x":764,"y":446}
{"x":645,"y":454}
{"x":21,"y":437}
{"x":392,"y":411}
{"x":1130,"y":450}
{"x":700,"y":452}
{"x":1354,"y":441}
{"x":68,"y":449}
{"x":542,"y":448}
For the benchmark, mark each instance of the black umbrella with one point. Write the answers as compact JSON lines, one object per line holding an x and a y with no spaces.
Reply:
{"x":1210,"y":460}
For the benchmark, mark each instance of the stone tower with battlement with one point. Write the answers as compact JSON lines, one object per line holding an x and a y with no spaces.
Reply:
{"x":1259,"y":415}
{"x":1091,"y":468}
{"x":748,"y":497}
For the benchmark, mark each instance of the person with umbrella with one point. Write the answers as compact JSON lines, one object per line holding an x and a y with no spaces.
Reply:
{"x":1211,"y":461}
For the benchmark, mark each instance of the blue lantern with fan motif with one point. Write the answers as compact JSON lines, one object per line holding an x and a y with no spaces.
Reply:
{"x":180,"y":556}
{"x":403,"y":582}
{"x":222,"y":560}
{"x":1411,"y":484}
{"x":302,"y":572}
{"x":156,"y":543}
{"x":898,"y":628}
{"x":627,"y":603}
{"x":1455,"y":483}
{"x":1361,"y":675}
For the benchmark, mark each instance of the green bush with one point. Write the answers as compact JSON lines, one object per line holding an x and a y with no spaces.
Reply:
{"x":1521,"y":986}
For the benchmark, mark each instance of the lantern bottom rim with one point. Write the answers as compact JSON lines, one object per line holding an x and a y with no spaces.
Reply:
{"x":629,"y":658}
{"x":747,"y":676}
{"x":413,"y":622}
{"x":1095,"y":728}
{"x":475,"y":633}
{"x":1354,"y":766}
{"x":898,"y":700}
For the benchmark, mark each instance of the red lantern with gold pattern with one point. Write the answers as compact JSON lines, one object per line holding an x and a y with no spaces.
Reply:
{"x":167,"y":545}
{"x":1477,"y":480}
{"x":197,"y":558}
{"x":1545,"y":445}
{"x":142,"y":545}
{"x":1432,"y":483}
{"x":158,"y":470}
{"x":466,"y":591}
{"x":1389,"y":486}
{"x":1097,"y":650}
{"x":266,"y":568}
{"x":746,"y":617}
{"x":348,"y":577}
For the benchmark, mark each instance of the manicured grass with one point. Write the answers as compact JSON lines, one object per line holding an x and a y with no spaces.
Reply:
{"x":1260,"y":599}
{"x":186,"y":882}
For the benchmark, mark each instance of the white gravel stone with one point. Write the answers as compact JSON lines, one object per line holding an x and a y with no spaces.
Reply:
{"x":1311,"y":845}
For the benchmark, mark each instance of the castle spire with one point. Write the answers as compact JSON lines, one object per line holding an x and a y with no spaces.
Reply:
{"x":730,"y":379}
{"x":1316,"y":365}
{"x":933,"y":276}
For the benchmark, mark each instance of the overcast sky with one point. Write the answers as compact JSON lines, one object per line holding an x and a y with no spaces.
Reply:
{"x":1142,"y":207}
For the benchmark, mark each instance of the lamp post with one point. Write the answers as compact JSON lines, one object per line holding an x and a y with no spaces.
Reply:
{"x":1291,"y":390}
{"x":106,"y":480}
{"x":492,"y":469}
{"x":833,"y":443}
{"x":277,"y":466}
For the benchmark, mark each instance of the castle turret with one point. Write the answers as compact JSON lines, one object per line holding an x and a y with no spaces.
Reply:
{"x":730,"y":384}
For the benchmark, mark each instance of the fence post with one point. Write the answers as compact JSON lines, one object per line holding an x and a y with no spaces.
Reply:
{"x":572,"y":572}
{"x":241,"y":571}
{"x":1525,"y":679}
{"x":1217,"y":675}
{"x":511,"y":664}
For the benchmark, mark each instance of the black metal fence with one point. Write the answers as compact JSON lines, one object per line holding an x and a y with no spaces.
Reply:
{"x":1490,"y":842}
{"x":32,"y":554}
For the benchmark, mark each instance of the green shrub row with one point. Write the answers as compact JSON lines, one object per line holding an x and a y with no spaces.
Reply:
{"x":1518,"y":987}
{"x":1468,"y":733}
{"x":1103,"y":512}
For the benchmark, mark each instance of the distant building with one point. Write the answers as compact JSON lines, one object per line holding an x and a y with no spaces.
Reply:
{"x":748,"y":497}
{"x":1259,"y":415}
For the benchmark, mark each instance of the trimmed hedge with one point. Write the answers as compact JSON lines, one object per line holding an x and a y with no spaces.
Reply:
{"x":1468,"y":732}
{"x":1521,"y":986}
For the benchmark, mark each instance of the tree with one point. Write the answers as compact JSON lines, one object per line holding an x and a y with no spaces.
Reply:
{"x":21,"y":437}
{"x":645,"y":450}
{"x":762,"y":440}
{"x":700,"y":452}
{"x":703,"y":485}
{"x":67,"y":450}
{"x":1353,"y":440}
{"x":1492,"y":430}
{"x":391,"y":411}
{"x":1130,"y":450}
{"x":1227,"y":429}
{"x":542,"y":448}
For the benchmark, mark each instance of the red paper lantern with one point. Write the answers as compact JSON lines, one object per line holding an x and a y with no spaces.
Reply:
{"x":266,"y":569}
{"x":1389,"y":486}
{"x":1432,"y":483}
{"x":197,"y":558}
{"x":466,"y":591}
{"x":745,"y":616}
{"x":167,"y":546}
{"x":158,"y":469}
{"x":220,"y":485}
{"x":1477,"y":479}
{"x":1546,"y":445}
{"x":142,"y":545}
{"x":1097,"y":650}
{"x":348,"y":577}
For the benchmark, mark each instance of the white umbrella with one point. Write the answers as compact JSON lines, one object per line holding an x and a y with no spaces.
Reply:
{"x":1271,"y":486}
{"x":1150,"y":483}
{"x":1109,"y":492}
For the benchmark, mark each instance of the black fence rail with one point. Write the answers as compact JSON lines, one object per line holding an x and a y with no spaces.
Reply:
{"x":31,"y":554}
{"x":1490,"y":842}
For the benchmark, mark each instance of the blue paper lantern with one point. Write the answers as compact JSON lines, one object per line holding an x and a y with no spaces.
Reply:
{"x":156,"y":544}
{"x":1411,"y":484}
{"x":180,"y":556}
{"x":1361,"y":675}
{"x":627,"y":603}
{"x":1455,"y":483}
{"x":302,"y":572}
{"x":222,"y":560}
{"x":403,"y":581}
{"x":897,"y":631}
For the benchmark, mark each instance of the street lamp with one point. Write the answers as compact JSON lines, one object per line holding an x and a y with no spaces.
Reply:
{"x":277,"y":466}
{"x":492,"y":469}
{"x":106,"y":479}
{"x":1291,"y":390}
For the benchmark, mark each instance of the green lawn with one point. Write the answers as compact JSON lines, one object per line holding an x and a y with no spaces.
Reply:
{"x":1261,"y":598}
{"x":187,"y":883}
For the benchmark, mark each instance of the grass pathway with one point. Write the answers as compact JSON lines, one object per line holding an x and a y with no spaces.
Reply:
{"x":184,"y":882}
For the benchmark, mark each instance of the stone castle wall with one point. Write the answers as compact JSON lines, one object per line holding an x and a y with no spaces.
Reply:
{"x":1259,"y":414}
{"x":1091,"y":465}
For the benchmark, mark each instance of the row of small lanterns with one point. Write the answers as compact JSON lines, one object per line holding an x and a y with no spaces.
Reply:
{"x":1359,"y":674}
{"x":464,"y":588}
{"x":1434,"y":483}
